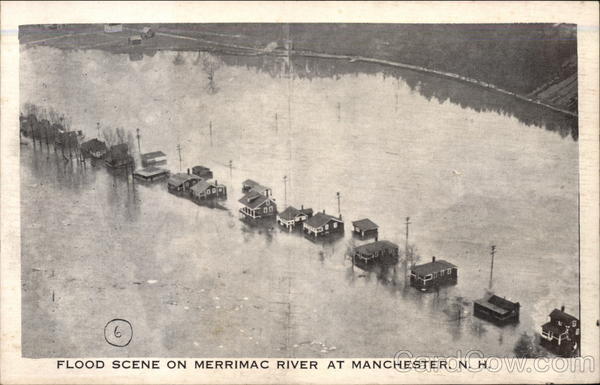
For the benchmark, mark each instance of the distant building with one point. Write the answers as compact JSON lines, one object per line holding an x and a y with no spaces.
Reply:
{"x":118,"y":156}
{"x":203,"y":172}
{"x":113,"y":27}
{"x":147,"y":33}
{"x":375,"y":253}
{"x":434,"y":274}
{"x":93,"y":148}
{"x":208,"y":190}
{"x":322,"y":225}
{"x":154,"y":158}
{"x":292,"y":217}
{"x":182,"y":182}
{"x":135,"y":40}
{"x":250,"y":185}
{"x":365,"y":228}
{"x":496,"y":309}
{"x":256,"y":206}
{"x":151,"y":174}
{"x":561,"y":335}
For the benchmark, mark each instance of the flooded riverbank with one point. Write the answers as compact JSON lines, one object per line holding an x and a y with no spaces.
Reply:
{"x":198,"y":282}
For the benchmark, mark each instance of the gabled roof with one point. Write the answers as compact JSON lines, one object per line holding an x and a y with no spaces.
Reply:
{"x":562,"y":316}
{"x":151,"y":171}
{"x":250,"y":183}
{"x":375,"y":247}
{"x":253,"y":199}
{"x":308,"y":212}
{"x":289,"y":213}
{"x":365,"y":224}
{"x":320,"y":219}
{"x":555,"y":329}
{"x":497,"y":304}
{"x":202,"y":186}
{"x":432,"y":267}
{"x":200,"y":168}
{"x":93,"y":145}
{"x":179,"y":178}
{"x":153,"y":154}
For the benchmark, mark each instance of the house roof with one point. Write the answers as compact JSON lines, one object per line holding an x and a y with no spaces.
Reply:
{"x":497,"y":304}
{"x":289,"y":213}
{"x":118,"y":151}
{"x":432,"y":267}
{"x":250,"y":183}
{"x":308,"y":212}
{"x":204,"y":184}
{"x":151,"y":171}
{"x":320,"y":219}
{"x":375,"y":247}
{"x":253,"y":199}
{"x":93,"y":145}
{"x":179,"y":178}
{"x":153,"y":154}
{"x":562,"y":316}
{"x":365,"y":224}
{"x":200,"y":168}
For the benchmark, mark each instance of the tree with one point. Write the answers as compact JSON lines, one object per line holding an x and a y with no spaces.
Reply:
{"x":210,"y":64}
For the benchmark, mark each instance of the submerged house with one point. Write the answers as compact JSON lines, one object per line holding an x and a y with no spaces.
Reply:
{"x":147,"y":32}
{"x":561,"y":334}
{"x":256,"y":205}
{"x":322,"y":225}
{"x":291,"y":216}
{"x":151,"y":174}
{"x":118,"y":156}
{"x":497,"y":310}
{"x":208,"y":190}
{"x":203,"y":172}
{"x":434,"y":274}
{"x":365,"y":228}
{"x":375,"y":253}
{"x":182,"y":182}
{"x":153,"y":158}
{"x":113,"y":27}
{"x":135,"y":40}
{"x":93,"y":148}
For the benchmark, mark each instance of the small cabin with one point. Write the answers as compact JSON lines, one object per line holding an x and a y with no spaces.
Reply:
{"x":250,"y":185}
{"x":93,"y":148}
{"x":147,"y":32}
{"x":208,"y":190}
{"x":182,"y":182}
{"x":256,"y":206}
{"x":113,"y":27}
{"x":203,"y":172}
{"x":433,"y":275}
{"x":375,"y":253}
{"x":365,"y":228}
{"x":151,"y":174}
{"x":561,"y":334}
{"x":497,"y":310}
{"x":135,"y":40}
{"x":322,"y":225}
{"x":118,"y":156}
{"x":154,"y":158}
{"x":291,"y":216}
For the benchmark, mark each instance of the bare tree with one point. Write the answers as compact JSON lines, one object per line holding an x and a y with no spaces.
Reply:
{"x":210,"y":64}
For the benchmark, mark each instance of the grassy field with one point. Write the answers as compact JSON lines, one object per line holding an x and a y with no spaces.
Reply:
{"x":530,"y":59}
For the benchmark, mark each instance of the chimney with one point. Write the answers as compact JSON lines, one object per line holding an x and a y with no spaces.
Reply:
{"x":216,"y":183}
{"x":562,"y":308}
{"x":302,"y":207}
{"x":376,"y":238}
{"x":340,"y":217}
{"x":433,"y":259}
{"x":323,"y":211}
{"x":188,"y":171}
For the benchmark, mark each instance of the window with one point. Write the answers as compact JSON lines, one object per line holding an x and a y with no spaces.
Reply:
{"x":559,"y":323}
{"x":214,"y":190}
{"x":449,"y":271}
{"x":335,"y":225}
{"x":270,"y":209}
{"x":427,"y":277}
{"x":435,"y":275}
{"x":265,"y":210}
{"x":574,"y":323}
{"x":326,"y":227}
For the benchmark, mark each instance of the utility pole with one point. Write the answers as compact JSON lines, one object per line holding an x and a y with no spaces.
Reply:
{"x":230,"y":169}
{"x":98,"y":128}
{"x":339,"y":207}
{"x":210,"y":130}
{"x":492,"y":267}
{"x":179,"y":151}
{"x":138,"y":139}
{"x":406,"y":242}
{"x":276,"y":123}
{"x":339,"y":111}
{"x":285,"y":190}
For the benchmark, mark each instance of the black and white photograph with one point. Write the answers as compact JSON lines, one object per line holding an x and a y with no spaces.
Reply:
{"x":299,"y":190}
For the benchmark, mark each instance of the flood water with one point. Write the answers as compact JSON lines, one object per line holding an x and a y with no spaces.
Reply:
{"x":195,"y":281}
